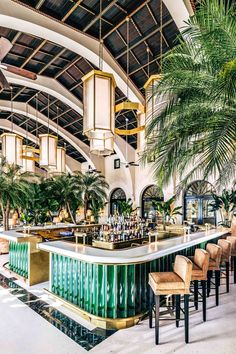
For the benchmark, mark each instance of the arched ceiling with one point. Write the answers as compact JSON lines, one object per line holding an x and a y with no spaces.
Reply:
{"x":52,"y":60}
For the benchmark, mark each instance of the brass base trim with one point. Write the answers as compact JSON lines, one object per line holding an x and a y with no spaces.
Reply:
{"x":105,"y":323}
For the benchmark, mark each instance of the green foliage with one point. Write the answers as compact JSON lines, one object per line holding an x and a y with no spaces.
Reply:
{"x":195,"y":132}
{"x":39,"y":199}
{"x":93,"y":188}
{"x":125,"y":207}
{"x":166,"y":210}
{"x":225,"y":203}
{"x":16,"y":189}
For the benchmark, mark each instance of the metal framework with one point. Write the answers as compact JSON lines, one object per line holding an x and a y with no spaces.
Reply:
{"x":49,"y":59}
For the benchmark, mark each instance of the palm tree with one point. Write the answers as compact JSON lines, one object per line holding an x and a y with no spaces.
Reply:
{"x":15,"y":189}
{"x":195,"y":133}
{"x":66,"y":190}
{"x":93,"y":186}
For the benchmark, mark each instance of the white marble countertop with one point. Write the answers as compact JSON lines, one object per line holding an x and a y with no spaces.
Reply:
{"x":143,"y":253}
{"x":23,"y":234}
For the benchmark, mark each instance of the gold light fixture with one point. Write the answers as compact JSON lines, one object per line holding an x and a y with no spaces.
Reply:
{"x":99,"y":105}
{"x":48,"y":148}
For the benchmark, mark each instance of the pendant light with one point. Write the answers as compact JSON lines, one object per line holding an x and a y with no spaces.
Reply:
{"x":28,"y":160}
{"x":48,"y":147}
{"x":61,"y":154}
{"x":12,"y":143}
{"x":99,"y":105}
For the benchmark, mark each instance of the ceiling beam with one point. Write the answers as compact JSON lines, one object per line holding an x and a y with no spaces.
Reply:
{"x":96,"y":18}
{"x":74,"y":7}
{"x":143,"y":39}
{"x":39,"y":4}
{"x":130,"y":15}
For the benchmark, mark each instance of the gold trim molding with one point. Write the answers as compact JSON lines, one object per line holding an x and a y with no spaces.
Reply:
{"x":102,"y":322}
{"x":130,"y":106}
{"x":129,"y":132}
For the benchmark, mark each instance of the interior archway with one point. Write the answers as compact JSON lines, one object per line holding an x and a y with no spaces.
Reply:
{"x":118,"y":195}
{"x":197,"y":200}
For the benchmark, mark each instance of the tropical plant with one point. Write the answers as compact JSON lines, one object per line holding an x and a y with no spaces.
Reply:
{"x":166,"y":210}
{"x":93,"y":187}
{"x":66,"y":191}
{"x":96,"y":206}
{"x":39,"y":208}
{"x":15,"y":189}
{"x":225,"y":203}
{"x":125,"y":207}
{"x":195,"y":131}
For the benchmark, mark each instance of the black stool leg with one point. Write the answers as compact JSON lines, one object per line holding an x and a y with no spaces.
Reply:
{"x":227,"y":276}
{"x":157,"y":308}
{"x":177,"y":309}
{"x":209,"y":275}
{"x":173,"y":301}
{"x":217,"y":284}
{"x":234,"y":258}
{"x":186,"y":318}
{"x":150,"y":306}
{"x":196,"y":294}
{"x":204,"y":300}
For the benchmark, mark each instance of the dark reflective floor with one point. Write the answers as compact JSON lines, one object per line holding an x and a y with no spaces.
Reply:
{"x":80,"y":334}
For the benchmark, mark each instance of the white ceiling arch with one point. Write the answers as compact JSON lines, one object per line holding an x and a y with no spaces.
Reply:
{"x":24,"y":19}
{"x":48,"y":85}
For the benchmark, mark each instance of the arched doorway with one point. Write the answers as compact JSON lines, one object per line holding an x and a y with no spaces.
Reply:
{"x":118,"y":195}
{"x":197,"y":200}
{"x":151,"y":195}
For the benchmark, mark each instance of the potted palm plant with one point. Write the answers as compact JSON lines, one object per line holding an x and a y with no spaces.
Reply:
{"x":167,"y":211}
{"x":225,"y":204}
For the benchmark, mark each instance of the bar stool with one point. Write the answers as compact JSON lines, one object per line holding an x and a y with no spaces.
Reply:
{"x":199,"y":273}
{"x":171,"y":283}
{"x":225,"y":258}
{"x":232,"y":240}
{"x":214,"y":265}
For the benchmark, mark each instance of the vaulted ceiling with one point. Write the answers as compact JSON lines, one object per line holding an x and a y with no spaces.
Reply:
{"x":45,"y":58}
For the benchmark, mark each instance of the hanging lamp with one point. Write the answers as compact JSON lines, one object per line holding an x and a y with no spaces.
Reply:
{"x":28,"y":152}
{"x":48,"y":148}
{"x":12,"y":143}
{"x":99,"y":105}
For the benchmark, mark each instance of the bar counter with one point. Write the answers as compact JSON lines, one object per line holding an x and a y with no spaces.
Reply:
{"x":26,"y":261}
{"x":110,"y":287}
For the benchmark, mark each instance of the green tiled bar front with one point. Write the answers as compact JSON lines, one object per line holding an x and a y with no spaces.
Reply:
{"x":105,"y":290}
{"x":18,"y":258}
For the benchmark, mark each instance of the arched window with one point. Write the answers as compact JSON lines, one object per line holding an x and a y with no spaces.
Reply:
{"x":118,"y":195}
{"x":197,"y":200}
{"x":150,"y":195}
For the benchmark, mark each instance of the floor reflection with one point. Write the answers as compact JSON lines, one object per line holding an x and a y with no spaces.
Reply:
{"x":80,"y":334}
